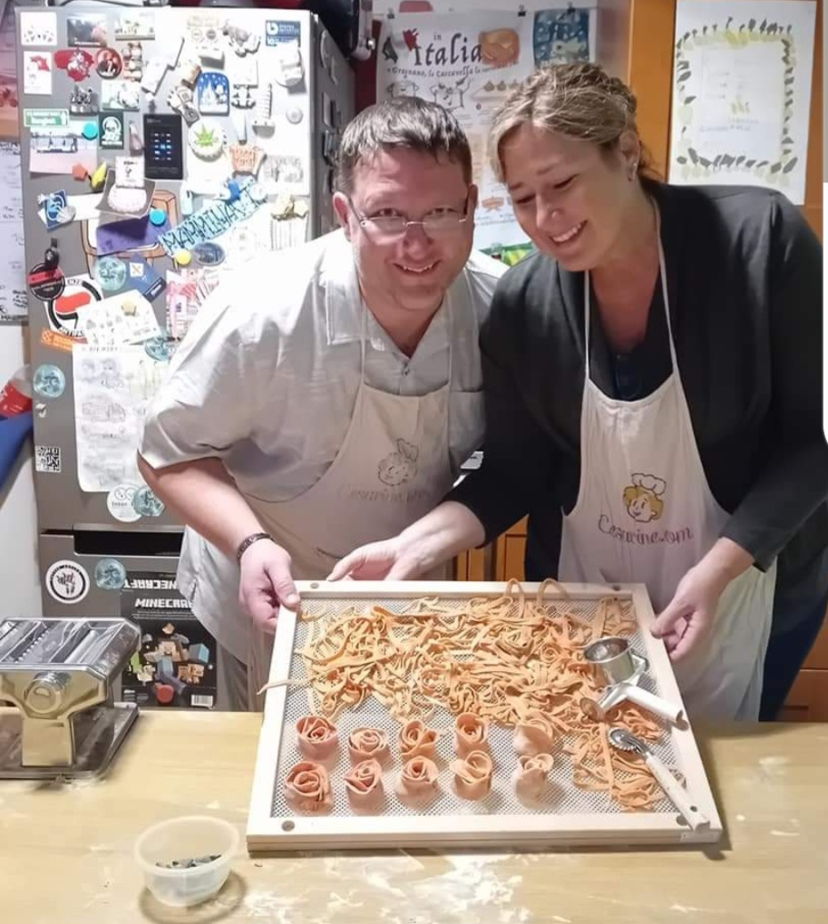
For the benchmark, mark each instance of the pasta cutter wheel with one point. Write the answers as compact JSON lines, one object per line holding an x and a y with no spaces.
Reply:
{"x":626,"y":741}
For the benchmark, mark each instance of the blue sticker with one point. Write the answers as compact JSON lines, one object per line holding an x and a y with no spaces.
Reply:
{"x":146,"y":504}
{"x":278,"y":31}
{"x":561,"y":36}
{"x":110,"y":574}
{"x":110,"y":273}
{"x":53,"y":208}
{"x":208,"y":253}
{"x":213,"y":93}
{"x":160,"y":348}
{"x":49,"y":381}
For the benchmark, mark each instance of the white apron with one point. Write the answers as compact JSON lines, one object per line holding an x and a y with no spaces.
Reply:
{"x":645,"y":513}
{"x":393,"y":466}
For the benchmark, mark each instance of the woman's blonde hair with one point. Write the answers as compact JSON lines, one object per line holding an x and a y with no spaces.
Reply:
{"x":578,"y":100}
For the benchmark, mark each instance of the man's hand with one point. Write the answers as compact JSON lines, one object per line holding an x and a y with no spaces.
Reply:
{"x":266,"y":584}
{"x":688,"y":618}
{"x":389,"y":560}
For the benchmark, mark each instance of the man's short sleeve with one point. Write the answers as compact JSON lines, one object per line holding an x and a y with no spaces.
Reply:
{"x":208,"y":401}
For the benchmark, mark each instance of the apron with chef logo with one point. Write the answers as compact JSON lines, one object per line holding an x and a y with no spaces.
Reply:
{"x":645,"y":514}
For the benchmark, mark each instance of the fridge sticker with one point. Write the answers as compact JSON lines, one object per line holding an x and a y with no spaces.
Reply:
{"x":124,"y":318}
{"x":47,"y":460}
{"x":67,"y":581}
{"x":55,"y":210}
{"x":278,"y":31}
{"x":77,"y":62}
{"x":60,"y":152}
{"x":55,"y":341}
{"x":120,"y":94}
{"x":134,"y":274}
{"x":146,"y":504}
{"x":112,"y":391}
{"x":49,"y":381}
{"x":110,"y":574}
{"x":213,"y":220}
{"x":45,"y":118}
{"x":206,"y":139}
{"x":63,"y":310}
{"x":87,"y":30}
{"x":130,"y":234}
{"x":111,"y":130}
{"x":108,"y":63}
{"x":37,"y":28}
{"x":37,"y":73}
{"x":122,"y":194}
{"x":83,"y":101}
{"x":119,"y":503}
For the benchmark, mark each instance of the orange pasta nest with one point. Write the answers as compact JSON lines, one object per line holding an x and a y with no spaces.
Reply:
{"x":505,"y":659}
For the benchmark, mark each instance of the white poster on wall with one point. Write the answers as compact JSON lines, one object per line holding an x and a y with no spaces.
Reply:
{"x":742,"y":93}
{"x":470,"y":65}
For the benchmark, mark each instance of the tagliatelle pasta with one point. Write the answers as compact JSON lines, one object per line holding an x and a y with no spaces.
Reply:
{"x":514,"y":660}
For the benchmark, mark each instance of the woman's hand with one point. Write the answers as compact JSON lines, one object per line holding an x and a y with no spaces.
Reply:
{"x":389,"y":560}
{"x":688,"y":618}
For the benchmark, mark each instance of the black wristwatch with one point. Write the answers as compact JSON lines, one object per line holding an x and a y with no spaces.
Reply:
{"x":245,"y":544}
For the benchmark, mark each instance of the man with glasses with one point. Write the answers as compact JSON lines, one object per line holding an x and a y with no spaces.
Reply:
{"x":327,"y":396}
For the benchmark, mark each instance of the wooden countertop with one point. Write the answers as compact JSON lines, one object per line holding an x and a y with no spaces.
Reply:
{"x":66,"y":851}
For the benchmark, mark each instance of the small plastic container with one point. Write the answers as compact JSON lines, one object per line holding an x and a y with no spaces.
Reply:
{"x":190,"y":842}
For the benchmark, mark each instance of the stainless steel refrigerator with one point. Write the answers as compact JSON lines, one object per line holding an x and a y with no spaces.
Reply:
{"x":160,"y":147}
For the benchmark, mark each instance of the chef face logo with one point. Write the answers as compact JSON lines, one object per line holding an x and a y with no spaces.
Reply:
{"x":643,"y":498}
{"x":399,"y":467}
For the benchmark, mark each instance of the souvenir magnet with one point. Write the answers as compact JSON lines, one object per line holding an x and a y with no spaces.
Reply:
{"x":108,"y":63}
{"x":161,"y":350}
{"x":242,"y":97}
{"x":135,"y":26}
{"x":49,"y":381}
{"x":129,"y":172}
{"x":133,"y":60}
{"x":187,"y":73}
{"x":153,"y":75}
{"x":290,"y":68}
{"x":67,"y":581}
{"x":238,"y":118}
{"x":110,"y":574}
{"x":77,"y":62}
{"x":98,"y":179}
{"x":37,"y":28}
{"x":120,"y":94}
{"x":180,"y":100}
{"x":246,"y":158}
{"x":111,"y":130}
{"x":45,"y":280}
{"x":37,"y":73}
{"x":262,"y":121}
{"x":241,"y":40}
{"x":136,"y":145}
{"x":86,"y":30}
{"x":164,"y":155}
{"x":119,"y":503}
{"x":82,"y":101}
{"x":146,"y":503}
{"x":212,"y":93}
{"x":206,"y":139}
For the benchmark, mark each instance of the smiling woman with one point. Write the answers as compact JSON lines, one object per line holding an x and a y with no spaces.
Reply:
{"x":653,"y":395}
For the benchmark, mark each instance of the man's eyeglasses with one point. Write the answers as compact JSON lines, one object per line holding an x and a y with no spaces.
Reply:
{"x":440,"y":221}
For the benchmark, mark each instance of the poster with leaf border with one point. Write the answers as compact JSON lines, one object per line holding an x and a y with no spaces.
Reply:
{"x":742,"y":93}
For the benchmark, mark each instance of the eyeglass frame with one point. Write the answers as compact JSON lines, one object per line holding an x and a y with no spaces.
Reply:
{"x":364,"y":220}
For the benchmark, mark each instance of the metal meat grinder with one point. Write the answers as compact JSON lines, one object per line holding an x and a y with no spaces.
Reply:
{"x":623,"y":668}
{"x":59,"y":674}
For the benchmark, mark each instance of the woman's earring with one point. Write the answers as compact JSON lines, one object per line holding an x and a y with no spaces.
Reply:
{"x":634,"y":170}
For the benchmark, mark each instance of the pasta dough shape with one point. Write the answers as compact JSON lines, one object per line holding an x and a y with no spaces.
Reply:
{"x":530,"y":777}
{"x":471,"y":733}
{"x":364,"y":784}
{"x":364,"y":743}
{"x":534,"y":735}
{"x":416,"y":740}
{"x":472,"y":775}
{"x":418,"y":778}
{"x":318,"y":738}
{"x":307,"y":787}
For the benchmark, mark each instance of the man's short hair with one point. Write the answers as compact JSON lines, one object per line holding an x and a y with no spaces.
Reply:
{"x":401,"y":122}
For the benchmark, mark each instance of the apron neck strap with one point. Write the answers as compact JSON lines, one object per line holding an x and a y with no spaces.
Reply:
{"x":662,"y":267}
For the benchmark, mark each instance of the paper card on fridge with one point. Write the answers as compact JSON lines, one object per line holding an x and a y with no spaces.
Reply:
{"x":124,"y":318}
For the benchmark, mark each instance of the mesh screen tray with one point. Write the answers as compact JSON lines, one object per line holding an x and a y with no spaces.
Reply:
{"x":567,"y":815}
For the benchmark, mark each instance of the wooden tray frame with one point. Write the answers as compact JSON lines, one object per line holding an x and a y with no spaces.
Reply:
{"x":620,"y":829}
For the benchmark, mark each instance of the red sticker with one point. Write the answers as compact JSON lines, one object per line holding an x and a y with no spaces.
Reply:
{"x":77,"y":62}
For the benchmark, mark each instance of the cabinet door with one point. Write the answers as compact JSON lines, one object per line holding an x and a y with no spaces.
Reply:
{"x":808,"y":700}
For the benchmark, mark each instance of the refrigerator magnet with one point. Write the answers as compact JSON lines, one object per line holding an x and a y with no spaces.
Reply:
{"x":86,"y":30}
{"x":37,"y":28}
{"x":110,"y":574}
{"x":135,"y":26}
{"x":77,"y":62}
{"x":37,"y":73}
{"x":67,"y":581}
{"x":111,"y":130}
{"x":146,"y":504}
{"x":45,"y":282}
{"x":55,"y":210}
{"x":133,"y":61}
{"x":49,"y":381}
{"x":82,"y":101}
{"x":208,"y":253}
{"x":110,"y":273}
{"x":120,"y":94}
{"x":180,"y":100}
{"x":161,"y":350}
{"x":213,"y":93}
{"x":206,"y":139}
{"x":241,"y":40}
{"x":108,"y":63}
{"x":119,"y":503}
